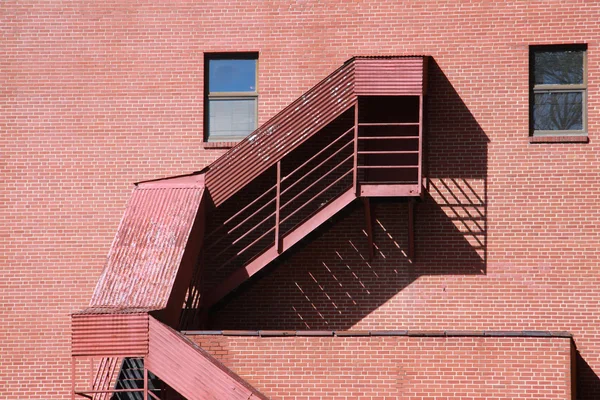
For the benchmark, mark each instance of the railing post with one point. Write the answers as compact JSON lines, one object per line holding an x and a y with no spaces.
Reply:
{"x":145,"y":395}
{"x":355,"y":172}
{"x":411,"y":230}
{"x":420,"y":161}
{"x":277,"y":208}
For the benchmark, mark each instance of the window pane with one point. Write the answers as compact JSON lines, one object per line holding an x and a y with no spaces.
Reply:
{"x":231,"y":118}
{"x":232,"y":76}
{"x":558,"y":111}
{"x":558,"y":67}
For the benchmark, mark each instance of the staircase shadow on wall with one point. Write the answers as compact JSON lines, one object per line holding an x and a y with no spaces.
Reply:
{"x":588,"y":382}
{"x":327,"y":280}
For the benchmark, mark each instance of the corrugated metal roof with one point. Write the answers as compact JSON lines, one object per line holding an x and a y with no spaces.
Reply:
{"x":147,"y":250}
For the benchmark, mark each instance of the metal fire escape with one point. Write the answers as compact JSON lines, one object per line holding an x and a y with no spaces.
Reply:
{"x":356,"y":134}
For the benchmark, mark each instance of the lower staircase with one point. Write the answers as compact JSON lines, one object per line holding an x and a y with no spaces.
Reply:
{"x":167,"y":366}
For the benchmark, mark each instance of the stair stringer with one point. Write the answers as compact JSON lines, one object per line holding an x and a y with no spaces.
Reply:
{"x":190,"y":370}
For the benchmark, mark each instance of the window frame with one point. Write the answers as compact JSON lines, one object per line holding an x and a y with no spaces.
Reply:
{"x":558,"y":88}
{"x":228,"y":95}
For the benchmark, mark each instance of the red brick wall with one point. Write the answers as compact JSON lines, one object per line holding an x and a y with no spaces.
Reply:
{"x":398,"y":367}
{"x":97,"y":95}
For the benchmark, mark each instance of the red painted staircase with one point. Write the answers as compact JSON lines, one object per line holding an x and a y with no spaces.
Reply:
{"x":193,"y":239}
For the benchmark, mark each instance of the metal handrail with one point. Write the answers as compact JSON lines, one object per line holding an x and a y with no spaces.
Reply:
{"x":244,"y":249}
{"x":244,"y":235}
{"x":389,"y":152}
{"x":386,"y":137}
{"x":213,"y":244}
{"x":317,"y":167}
{"x":239,"y":212}
{"x":388,"y":124}
{"x":387,"y":166}
{"x":317,"y":195}
{"x":282,"y":207}
{"x":229,"y":232}
{"x":316,"y":155}
{"x":316,"y":181}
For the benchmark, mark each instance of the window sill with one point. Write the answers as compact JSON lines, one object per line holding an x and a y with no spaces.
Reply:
{"x":559,"y":139}
{"x":219,"y":145}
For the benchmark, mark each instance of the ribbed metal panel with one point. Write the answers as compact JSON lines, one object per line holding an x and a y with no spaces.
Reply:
{"x":109,"y":334}
{"x":147,"y":250}
{"x":403,"y":76}
{"x":190,"y":370}
{"x":283,"y":133}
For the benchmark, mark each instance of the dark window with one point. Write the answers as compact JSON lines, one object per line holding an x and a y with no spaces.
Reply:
{"x":558,"y":90}
{"x":231,"y":96}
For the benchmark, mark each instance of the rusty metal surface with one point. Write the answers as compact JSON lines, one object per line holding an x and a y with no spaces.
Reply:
{"x":389,"y":76}
{"x":190,"y":370}
{"x":283,"y":133}
{"x":146,"y":253}
{"x":109,"y":334}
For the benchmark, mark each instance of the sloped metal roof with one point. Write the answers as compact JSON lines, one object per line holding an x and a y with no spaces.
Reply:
{"x":146,"y":253}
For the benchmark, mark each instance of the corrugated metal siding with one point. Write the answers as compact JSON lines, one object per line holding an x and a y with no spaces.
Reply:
{"x":190,"y":370}
{"x":389,"y":77}
{"x":109,"y":335}
{"x":283,"y":133}
{"x":147,"y":250}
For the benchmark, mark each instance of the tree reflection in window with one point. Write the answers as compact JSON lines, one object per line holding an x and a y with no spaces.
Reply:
{"x":558,"y":111}
{"x":558,"y":67}
{"x":558,"y":89}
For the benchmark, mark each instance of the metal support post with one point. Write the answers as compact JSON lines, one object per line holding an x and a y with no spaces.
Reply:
{"x":411,"y":230}
{"x":277,"y":208}
{"x":369,"y":226}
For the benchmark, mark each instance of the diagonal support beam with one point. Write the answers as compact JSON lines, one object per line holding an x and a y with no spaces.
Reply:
{"x":411,"y":230}
{"x":145,"y":393}
{"x":369,"y":226}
